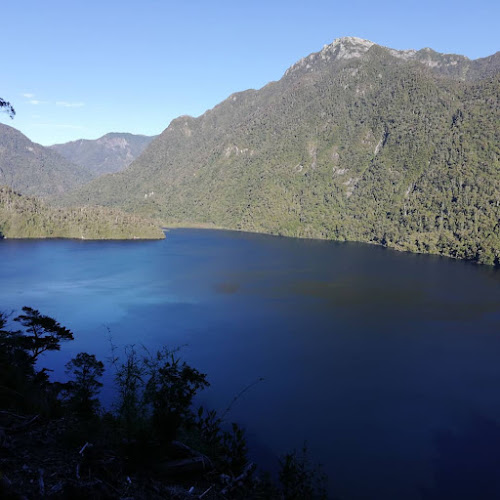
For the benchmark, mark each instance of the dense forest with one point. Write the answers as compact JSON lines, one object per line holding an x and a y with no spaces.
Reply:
{"x":355,"y":142}
{"x":27,"y":217}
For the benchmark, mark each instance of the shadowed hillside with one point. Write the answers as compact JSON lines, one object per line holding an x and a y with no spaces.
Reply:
{"x":32,"y":169}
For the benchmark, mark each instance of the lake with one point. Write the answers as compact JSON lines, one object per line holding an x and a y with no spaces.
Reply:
{"x":386,"y":363}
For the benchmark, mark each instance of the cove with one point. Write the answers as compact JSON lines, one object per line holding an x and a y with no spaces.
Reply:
{"x":386,"y":363}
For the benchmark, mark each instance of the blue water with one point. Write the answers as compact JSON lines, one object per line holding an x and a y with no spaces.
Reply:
{"x":386,"y":363}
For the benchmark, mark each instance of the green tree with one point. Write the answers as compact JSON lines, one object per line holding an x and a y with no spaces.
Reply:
{"x":17,"y":367}
{"x":129,"y":378}
{"x":42,"y":333}
{"x":82,"y":391}
{"x":170,"y":391}
{"x":21,"y":385}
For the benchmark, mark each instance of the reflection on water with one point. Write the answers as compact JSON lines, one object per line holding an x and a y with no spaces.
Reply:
{"x":385,"y":362}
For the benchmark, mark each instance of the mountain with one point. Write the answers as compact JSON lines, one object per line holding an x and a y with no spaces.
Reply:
{"x":27,"y":217}
{"x":110,"y":153}
{"x":33,"y":169}
{"x":354,"y":142}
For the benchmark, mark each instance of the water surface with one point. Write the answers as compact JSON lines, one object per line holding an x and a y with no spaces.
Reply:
{"x":386,"y":363}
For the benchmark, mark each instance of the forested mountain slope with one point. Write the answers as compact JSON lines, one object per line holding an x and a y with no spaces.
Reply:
{"x":357,"y":142}
{"x":32,"y":169}
{"x":26,"y":217}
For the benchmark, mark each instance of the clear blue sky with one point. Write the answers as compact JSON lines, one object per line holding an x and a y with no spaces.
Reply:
{"x":79,"y":69}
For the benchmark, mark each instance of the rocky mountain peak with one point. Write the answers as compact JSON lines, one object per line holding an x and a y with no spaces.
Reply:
{"x":347,"y":47}
{"x":351,"y":47}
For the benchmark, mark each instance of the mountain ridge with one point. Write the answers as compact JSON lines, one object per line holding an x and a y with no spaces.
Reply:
{"x":349,"y":47}
{"x":355,"y":141}
{"x":33,"y":169}
{"x":110,"y":153}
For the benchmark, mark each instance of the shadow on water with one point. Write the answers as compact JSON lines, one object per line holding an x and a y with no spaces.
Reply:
{"x":467,"y":465}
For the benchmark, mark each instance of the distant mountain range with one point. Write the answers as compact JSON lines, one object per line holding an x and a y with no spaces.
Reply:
{"x":35,"y":170}
{"x":355,"y":142}
{"x":32,"y":169}
{"x":28,"y":170}
{"x":110,"y":153}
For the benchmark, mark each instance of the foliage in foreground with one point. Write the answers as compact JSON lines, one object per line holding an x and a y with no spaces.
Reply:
{"x":56,"y":442}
